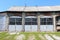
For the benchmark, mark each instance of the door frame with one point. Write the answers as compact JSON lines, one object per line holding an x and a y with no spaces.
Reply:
{"x":46,"y":24}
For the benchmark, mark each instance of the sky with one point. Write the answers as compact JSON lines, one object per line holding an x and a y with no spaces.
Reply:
{"x":5,"y":4}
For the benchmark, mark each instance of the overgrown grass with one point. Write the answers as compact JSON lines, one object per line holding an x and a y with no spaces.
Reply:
{"x":6,"y":36}
{"x":11,"y":37}
{"x":32,"y":33}
{"x":56,"y":33}
{"x":42,"y":33}
{"x":3,"y":35}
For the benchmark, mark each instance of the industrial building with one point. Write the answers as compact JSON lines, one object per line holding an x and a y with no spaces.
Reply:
{"x":30,"y":19}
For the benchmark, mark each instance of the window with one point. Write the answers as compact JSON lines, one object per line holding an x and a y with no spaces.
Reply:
{"x":49,"y":19}
{"x":15,"y":21}
{"x":19,"y":21}
{"x":58,"y":18}
{"x":30,"y":21}
{"x":27,"y":23}
{"x":43,"y":19}
{"x":46,"y":21}
{"x":34,"y":19}
{"x":34,"y":23}
{"x":12,"y":21}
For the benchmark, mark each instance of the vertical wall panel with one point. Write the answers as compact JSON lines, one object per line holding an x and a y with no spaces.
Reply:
{"x":2,"y":22}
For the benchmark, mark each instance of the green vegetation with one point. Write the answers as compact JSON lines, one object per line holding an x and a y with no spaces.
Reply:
{"x":7,"y":36}
{"x":57,"y":33}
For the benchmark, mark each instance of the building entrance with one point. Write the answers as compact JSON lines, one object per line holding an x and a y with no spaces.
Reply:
{"x":15,"y":24}
{"x":30,"y":24}
{"x":46,"y":23}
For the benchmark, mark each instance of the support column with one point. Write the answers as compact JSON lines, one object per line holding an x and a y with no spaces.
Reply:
{"x":23,"y":21}
{"x":38,"y":22}
{"x":54,"y":23}
{"x":7,"y":23}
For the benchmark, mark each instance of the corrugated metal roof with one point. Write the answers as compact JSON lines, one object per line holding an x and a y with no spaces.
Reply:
{"x":31,"y":8}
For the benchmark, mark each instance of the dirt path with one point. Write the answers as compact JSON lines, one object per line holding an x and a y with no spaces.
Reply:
{"x":55,"y":37}
{"x":31,"y":37}
{"x":20,"y":37}
{"x":42,"y":37}
{"x":48,"y":37}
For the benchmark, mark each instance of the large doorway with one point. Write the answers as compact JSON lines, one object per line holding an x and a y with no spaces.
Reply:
{"x":30,"y":24}
{"x":58,"y":23}
{"x":15,"y":24}
{"x":46,"y":23}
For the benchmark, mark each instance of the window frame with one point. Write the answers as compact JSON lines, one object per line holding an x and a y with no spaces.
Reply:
{"x":46,"y":21}
{"x":16,"y":22}
{"x":31,"y":21}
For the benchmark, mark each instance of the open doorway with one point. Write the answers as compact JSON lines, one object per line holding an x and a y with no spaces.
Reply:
{"x":58,"y":23}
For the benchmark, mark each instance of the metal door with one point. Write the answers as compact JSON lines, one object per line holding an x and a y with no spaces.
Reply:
{"x":15,"y":24}
{"x":30,"y":24}
{"x":46,"y":23}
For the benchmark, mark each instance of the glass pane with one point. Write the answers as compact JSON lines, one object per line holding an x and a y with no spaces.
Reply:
{"x":49,"y":23}
{"x":34,"y":23}
{"x":18,"y":23}
{"x":49,"y":19}
{"x":34,"y":19}
{"x":12,"y":21}
{"x":28,"y":19}
{"x":18,"y":19}
{"x":43,"y":19}
{"x":42,"y":23}
{"x":58,"y":18}
{"x":27,"y":23}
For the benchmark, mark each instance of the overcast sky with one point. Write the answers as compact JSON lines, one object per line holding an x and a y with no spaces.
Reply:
{"x":5,"y":4}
